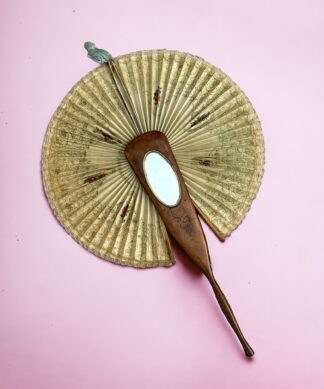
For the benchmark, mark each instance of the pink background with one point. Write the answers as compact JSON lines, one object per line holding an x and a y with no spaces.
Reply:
{"x":70,"y":320}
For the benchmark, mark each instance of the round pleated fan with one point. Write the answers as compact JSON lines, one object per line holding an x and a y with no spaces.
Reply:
{"x":211,"y":127}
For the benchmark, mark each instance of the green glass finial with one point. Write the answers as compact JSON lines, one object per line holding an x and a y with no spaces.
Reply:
{"x":98,"y":55}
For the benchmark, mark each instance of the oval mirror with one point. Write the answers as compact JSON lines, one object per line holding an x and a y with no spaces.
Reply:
{"x":162,"y":179}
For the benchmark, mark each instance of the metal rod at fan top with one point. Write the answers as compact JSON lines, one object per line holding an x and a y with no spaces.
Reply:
{"x":102,"y":56}
{"x":115,"y":74}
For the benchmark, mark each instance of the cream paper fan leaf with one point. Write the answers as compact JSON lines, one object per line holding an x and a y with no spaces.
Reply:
{"x":210,"y":124}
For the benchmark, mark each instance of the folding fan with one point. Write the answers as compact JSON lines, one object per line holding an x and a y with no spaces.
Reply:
{"x":136,"y":109}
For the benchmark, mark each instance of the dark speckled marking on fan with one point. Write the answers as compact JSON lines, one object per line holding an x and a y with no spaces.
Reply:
{"x":157,"y":95}
{"x":106,"y":136}
{"x":94,"y":178}
{"x":124,"y":211}
{"x":199,"y":119}
{"x":205,"y":162}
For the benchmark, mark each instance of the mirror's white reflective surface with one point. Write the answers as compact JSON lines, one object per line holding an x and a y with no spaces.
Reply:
{"x":162,"y":179}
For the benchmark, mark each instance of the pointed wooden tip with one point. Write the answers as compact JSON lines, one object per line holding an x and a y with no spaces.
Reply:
{"x":249,"y":352}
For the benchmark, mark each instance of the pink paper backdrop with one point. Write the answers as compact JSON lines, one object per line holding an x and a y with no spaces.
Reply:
{"x":70,"y":320}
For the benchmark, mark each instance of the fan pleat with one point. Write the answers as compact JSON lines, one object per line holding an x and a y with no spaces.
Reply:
{"x":101,"y":214}
{"x":121,"y":125}
{"x":172,"y":89}
{"x":193,"y":108}
{"x":183,"y":101}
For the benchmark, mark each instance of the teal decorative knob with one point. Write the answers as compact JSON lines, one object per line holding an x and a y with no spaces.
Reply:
{"x":98,"y":55}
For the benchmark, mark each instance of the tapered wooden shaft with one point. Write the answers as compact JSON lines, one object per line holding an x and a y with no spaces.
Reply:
{"x":181,"y":220}
{"x":227,"y":311}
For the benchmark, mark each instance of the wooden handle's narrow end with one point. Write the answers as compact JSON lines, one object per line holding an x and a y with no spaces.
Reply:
{"x":248,"y":351}
{"x":227,"y":310}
